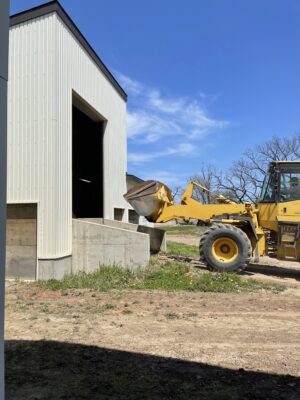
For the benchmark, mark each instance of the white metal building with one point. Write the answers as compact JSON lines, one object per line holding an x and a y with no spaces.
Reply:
{"x":66,"y":139}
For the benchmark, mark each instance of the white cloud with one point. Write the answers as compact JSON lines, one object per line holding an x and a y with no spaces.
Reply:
{"x":167,"y":132}
{"x":130,"y":85}
{"x":153,"y":116}
{"x":169,"y":106}
{"x":150,"y":127}
{"x":183,"y":149}
{"x":168,"y":178}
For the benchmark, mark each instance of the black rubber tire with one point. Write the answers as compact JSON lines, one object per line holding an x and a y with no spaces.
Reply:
{"x":242,"y":241}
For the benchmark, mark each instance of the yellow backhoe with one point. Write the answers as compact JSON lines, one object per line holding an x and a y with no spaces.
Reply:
{"x":236,"y":231}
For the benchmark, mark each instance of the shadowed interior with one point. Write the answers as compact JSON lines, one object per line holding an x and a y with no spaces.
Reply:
{"x":87,"y":166}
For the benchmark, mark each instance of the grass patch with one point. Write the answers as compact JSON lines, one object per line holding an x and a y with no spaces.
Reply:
{"x":106,"y":278}
{"x":171,"y":276}
{"x":171,"y":315}
{"x":192,"y":230}
{"x":109,"y":306}
{"x":45,"y":309}
{"x":182,"y":249}
{"x":127,"y":312}
{"x":230,"y":283}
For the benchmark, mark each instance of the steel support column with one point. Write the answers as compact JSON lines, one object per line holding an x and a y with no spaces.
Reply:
{"x":4,"y":28}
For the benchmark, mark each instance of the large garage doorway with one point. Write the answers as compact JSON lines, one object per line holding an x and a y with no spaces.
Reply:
{"x":87,"y":161}
{"x":21,"y":241}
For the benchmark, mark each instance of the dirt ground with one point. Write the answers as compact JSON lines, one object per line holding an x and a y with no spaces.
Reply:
{"x":81,"y":344}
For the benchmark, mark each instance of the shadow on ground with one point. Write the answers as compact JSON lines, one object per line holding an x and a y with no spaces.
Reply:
{"x":55,"y":370}
{"x":269,"y":270}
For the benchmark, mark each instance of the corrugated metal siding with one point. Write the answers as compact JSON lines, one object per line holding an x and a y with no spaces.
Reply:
{"x":46,"y":64}
{"x":32,"y":119}
{"x":76,"y":71}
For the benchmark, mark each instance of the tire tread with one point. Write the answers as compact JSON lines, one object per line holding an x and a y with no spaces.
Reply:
{"x":232,"y":228}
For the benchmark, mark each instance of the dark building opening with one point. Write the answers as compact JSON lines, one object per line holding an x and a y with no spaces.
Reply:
{"x":133,"y":217}
{"x":87,"y":164}
{"x":118,"y":214}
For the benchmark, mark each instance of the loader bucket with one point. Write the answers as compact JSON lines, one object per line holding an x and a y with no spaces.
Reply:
{"x":149,"y":198}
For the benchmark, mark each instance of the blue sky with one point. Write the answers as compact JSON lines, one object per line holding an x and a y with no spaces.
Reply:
{"x":205,"y":79}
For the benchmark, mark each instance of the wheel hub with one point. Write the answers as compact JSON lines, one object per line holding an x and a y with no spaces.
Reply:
{"x":225,"y":250}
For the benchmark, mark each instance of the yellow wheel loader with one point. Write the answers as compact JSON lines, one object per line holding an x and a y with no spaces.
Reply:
{"x":236,"y":231}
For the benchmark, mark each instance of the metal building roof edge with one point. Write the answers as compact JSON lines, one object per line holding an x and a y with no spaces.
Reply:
{"x":55,"y":6}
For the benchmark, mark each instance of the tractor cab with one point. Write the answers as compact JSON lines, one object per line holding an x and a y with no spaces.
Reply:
{"x":282,"y":182}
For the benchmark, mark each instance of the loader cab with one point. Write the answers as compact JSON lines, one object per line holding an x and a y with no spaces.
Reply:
{"x":282,"y":182}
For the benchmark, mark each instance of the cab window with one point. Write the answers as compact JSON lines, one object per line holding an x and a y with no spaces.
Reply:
{"x":268,"y":190}
{"x":290,"y":186}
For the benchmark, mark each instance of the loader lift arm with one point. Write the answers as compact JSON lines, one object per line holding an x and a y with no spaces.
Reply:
{"x":189,"y":208}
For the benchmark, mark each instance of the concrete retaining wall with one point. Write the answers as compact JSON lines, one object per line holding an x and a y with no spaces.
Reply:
{"x":157,"y":236}
{"x":96,"y":244}
{"x":54,"y":269}
{"x":21,"y":241}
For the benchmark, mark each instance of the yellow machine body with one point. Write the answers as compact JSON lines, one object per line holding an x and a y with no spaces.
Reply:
{"x":277,"y":213}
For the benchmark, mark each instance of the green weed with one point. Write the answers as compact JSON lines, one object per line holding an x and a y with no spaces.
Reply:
{"x":127,"y":311}
{"x":109,"y":306}
{"x":171,"y":315}
{"x":45,"y":309}
{"x":104,"y":279}
{"x":171,"y":276}
{"x":182,"y":249}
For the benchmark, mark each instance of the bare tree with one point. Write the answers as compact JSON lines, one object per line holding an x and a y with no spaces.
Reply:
{"x":239,"y":183}
{"x":206,"y":177}
{"x":243,"y":181}
{"x":176,"y":193}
